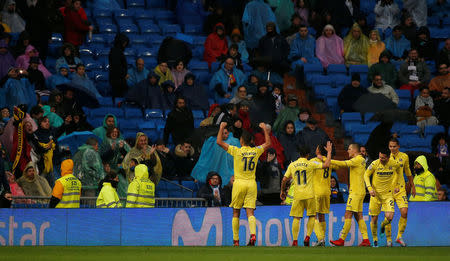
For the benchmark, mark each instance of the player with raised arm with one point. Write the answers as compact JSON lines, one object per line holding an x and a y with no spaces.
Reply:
{"x":385,"y":173}
{"x":357,"y":192}
{"x":400,"y":197}
{"x":302,"y":171}
{"x":244,"y":190}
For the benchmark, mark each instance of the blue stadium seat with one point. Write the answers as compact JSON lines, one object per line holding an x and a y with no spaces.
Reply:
{"x":199,"y":40}
{"x":101,"y":112}
{"x":93,"y":66}
{"x":333,"y":92}
{"x":198,"y":51}
{"x":358,"y":69}
{"x":164,"y":15}
{"x":147,"y":125}
{"x":333,"y":106}
{"x":321,"y":80}
{"x":193,"y":29}
{"x":154,"y":114}
{"x":198,"y":65}
{"x":334,"y":69}
{"x":133,"y":113}
{"x":105,"y":102}
{"x":139,"y":41}
{"x":361,"y":138}
{"x":128,"y":125}
{"x":433,"y":21}
{"x":136,"y":4}
{"x":198,"y":114}
{"x":129,"y":28}
{"x":107,"y":29}
{"x":170,"y":29}
{"x":143,"y":14}
{"x":367,"y":128}
{"x":403,"y":94}
{"x":352,"y":128}
{"x":148,"y":28}
{"x":367,"y":116}
{"x":102,"y":13}
{"x":340,"y":80}
{"x":202,"y":77}
{"x":351,"y":117}
{"x":57,"y":37}
{"x":97,"y":38}
{"x":156,"y":3}
{"x":312,"y":70}
{"x":404,"y":104}
{"x":146,"y":52}
{"x":403,"y":128}
{"x":320,"y":90}
{"x":433,"y":130}
{"x":123,"y":13}
{"x":101,"y":21}
{"x":102,"y":83}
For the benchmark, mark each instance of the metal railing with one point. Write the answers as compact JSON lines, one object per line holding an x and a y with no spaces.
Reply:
{"x":90,"y":202}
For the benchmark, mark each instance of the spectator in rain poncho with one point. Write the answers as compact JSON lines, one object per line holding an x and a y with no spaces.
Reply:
{"x":137,"y":73}
{"x":225,"y":81}
{"x":146,"y":93}
{"x":167,"y":96}
{"x":33,"y":184}
{"x":330,"y":47}
{"x":425,"y":45}
{"x":12,"y":18}
{"x":356,"y":46}
{"x":113,"y":148}
{"x":385,"y":68}
{"x":214,"y":158}
{"x":61,"y":77}
{"x":88,"y":165}
{"x":68,"y":57}
{"x":284,"y":9}
{"x":55,"y":120}
{"x":236,"y":38}
{"x":386,"y":15}
{"x":256,"y":15}
{"x":17,"y":90}
{"x":164,"y":73}
{"x":289,"y":113}
{"x":397,"y":44}
{"x":196,"y":96}
{"x":302,"y":49}
{"x":23,"y":61}
{"x":6,"y":59}
{"x":418,"y":10}
{"x":35,"y":76}
{"x":80,"y":78}
{"x":108,"y":122}
{"x":376,"y":46}
{"x":179,"y":73}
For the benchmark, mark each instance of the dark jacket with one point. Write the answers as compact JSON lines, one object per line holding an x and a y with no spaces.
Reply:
{"x":168,"y":164}
{"x":348,"y":96}
{"x":173,"y":50}
{"x":118,"y":66}
{"x":274,"y":46}
{"x":144,"y":94}
{"x":427,"y":48}
{"x":442,"y":109}
{"x":196,"y":96}
{"x":179,"y":124}
{"x":36,"y":77}
{"x":312,"y":138}
{"x":288,"y":141}
{"x":264,"y":108}
{"x":387,"y":71}
{"x":184,"y":163}
{"x":207,"y":192}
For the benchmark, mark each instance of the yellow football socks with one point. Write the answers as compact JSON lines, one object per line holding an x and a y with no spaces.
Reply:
{"x":401,"y":226}
{"x":318,"y":229}
{"x":252,"y":225}
{"x":363,"y":228}
{"x":346,"y":228}
{"x":324,"y":228}
{"x":310,"y":226}
{"x":388,"y":232}
{"x":235,"y":225}
{"x":295,"y":228}
{"x":374,"y":230}
{"x":385,"y":222}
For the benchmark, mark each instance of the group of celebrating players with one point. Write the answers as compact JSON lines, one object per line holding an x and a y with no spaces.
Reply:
{"x":311,"y":181}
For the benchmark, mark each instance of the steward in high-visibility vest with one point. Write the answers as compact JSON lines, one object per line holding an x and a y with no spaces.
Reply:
{"x":108,"y":198}
{"x":424,"y":181}
{"x":67,"y":190}
{"x":141,"y":191}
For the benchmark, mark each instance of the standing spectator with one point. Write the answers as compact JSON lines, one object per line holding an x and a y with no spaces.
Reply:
{"x":213,"y":111}
{"x":109,"y":121}
{"x":17,"y":89}
{"x":312,"y":136}
{"x":413,"y":73}
{"x":68,"y":57}
{"x":108,"y":198}
{"x":302,"y":52}
{"x":45,"y":135}
{"x":386,"y":12}
{"x":283,"y":9}
{"x":302,"y":8}
{"x":69,"y":184}
{"x":178,"y":74}
{"x":256,"y":16}
{"x":137,"y":73}
{"x":351,"y":93}
{"x":164,"y":73}
{"x":376,"y":47}
{"x":273,"y":48}
{"x":409,"y":27}
{"x":336,"y":195}
{"x":444,"y":54}
{"x":6,"y":59}
{"x":226,"y":114}
{"x":379,"y":86}
{"x":344,"y":12}
{"x":275,"y":144}
{"x":12,"y":18}
{"x":167,"y":160}
{"x":423,"y":43}
{"x":288,"y":113}
{"x":418,"y":10}
{"x":424,"y":181}
{"x":278,"y":95}
{"x":173,"y":50}
{"x":215,"y":45}
{"x":38,"y":25}
{"x":236,"y":38}
{"x":35,"y":76}
{"x":356,"y":46}
{"x":113,"y":148}
{"x":21,"y":149}
{"x":424,"y":109}
{"x":224,"y":82}
{"x":118,"y":66}
{"x":5,"y":190}
{"x":88,"y":164}
{"x":441,"y":81}
{"x":75,"y":28}
{"x":179,"y":123}
{"x":33,"y":184}
{"x":442,"y":108}
{"x":330,"y":47}
{"x":264,"y":108}
{"x":397,"y":44}
{"x":23,"y":61}
{"x":185,"y":160}
{"x":270,"y":174}
{"x":141,"y":192}
{"x":212,"y":191}
{"x":385,"y":68}
{"x":288,"y":141}
{"x":217,"y":16}
{"x":252,"y":84}
{"x":196,"y":96}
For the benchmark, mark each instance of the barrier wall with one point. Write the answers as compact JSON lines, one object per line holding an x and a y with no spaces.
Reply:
{"x":428,"y":225}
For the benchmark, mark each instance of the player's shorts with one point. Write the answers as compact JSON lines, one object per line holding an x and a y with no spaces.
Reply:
{"x":401,"y":199}
{"x":355,"y":203}
{"x":322,"y":204}
{"x":243,"y":194}
{"x":381,"y":203}
{"x":299,"y":206}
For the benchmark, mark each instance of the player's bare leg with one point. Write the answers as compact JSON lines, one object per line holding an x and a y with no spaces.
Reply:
{"x":402,"y":226}
{"x":235,"y":226}
{"x":295,"y":230}
{"x":320,"y":228}
{"x":374,"y":229}
{"x":251,"y":225}
{"x":362,"y":228}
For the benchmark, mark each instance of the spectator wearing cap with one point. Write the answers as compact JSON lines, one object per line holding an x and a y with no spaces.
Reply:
{"x":274,"y":49}
{"x":312,"y":136}
{"x":441,"y":81}
{"x":289,"y":113}
{"x":397,"y":44}
{"x":236,"y":38}
{"x":212,"y":191}
{"x":35,"y":76}
{"x":351,"y":93}
{"x":302,"y":117}
{"x":385,"y":68}
{"x":216,"y":44}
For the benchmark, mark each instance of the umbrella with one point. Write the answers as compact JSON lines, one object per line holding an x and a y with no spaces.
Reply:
{"x":75,"y":140}
{"x":394,"y":116}
{"x":83,"y":96}
{"x":373,"y":102}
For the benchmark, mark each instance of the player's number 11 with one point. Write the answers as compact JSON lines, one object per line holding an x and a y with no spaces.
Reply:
{"x":303,"y":173}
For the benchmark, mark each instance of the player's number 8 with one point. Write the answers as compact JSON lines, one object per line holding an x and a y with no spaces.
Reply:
{"x":326,"y":173}
{"x":303,"y":173}
{"x":249,"y":164}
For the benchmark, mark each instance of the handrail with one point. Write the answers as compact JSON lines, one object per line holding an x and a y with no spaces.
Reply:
{"x":179,"y":185}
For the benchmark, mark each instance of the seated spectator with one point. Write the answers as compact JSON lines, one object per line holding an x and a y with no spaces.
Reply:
{"x":88,"y":165}
{"x":408,"y":27}
{"x":264,"y":108}
{"x":330,"y":47}
{"x":167,"y":96}
{"x":214,"y":110}
{"x":302,"y":52}
{"x":397,"y":44}
{"x":164,"y":73}
{"x":196,"y":96}
{"x":441,"y":81}
{"x":179,"y":73}
{"x":108,"y":197}
{"x":224,"y":82}
{"x":167,"y":160}
{"x":33,"y":184}
{"x":424,"y":181}
{"x":289,"y":113}
{"x":302,"y":117}
{"x":376,"y":47}
{"x":179,"y":123}
{"x":234,"y":53}
{"x":274,"y":49}
{"x":386,"y":12}
{"x":137,"y":73}
{"x":423,"y":107}
{"x":113,"y":149}
{"x":173,"y":50}
{"x":236,"y":38}
{"x":288,"y":141}
{"x":442,"y":149}
{"x":275,"y":144}
{"x":185,"y":160}
{"x":212,"y":191}
{"x":442,"y":107}
{"x":226,"y":114}
{"x":6,"y":59}
{"x":216,"y":44}
{"x":413,"y":73}
{"x":75,"y":27}
{"x":35,"y":76}
{"x":254,"y":20}
{"x":351,"y":93}
{"x":17,"y":89}
{"x":240,"y":95}
{"x":418,"y":10}
{"x":442,"y":194}
{"x":23,"y":61}
{"x":312,"y":136}
{"x":361,"y":20}
{"x":69,"y":103}
{"x":423,"y":43}
{"x":263,"y":72}
{"x":278,"y":95}
{"x":36,"y":113}
{"x":45,"y":135}
{"x":356,"y":46}
{"x":12,"y":17}
{"x":80,"y":78}
{"x":444,"y":54}
{"x":55,"y":120}
{"x":68,"y":57}
{"x":109,"y":121}
{"x":146,"y":94}
{"x":22,"y":44}
{"x":270,"y":174}
{"x":439,"y":8}
{"x":61,"y":77}
{"x":385,"y":68}
{"x":252,"y":84}
{"x":336,"y":195}
{"x":379,"y":86}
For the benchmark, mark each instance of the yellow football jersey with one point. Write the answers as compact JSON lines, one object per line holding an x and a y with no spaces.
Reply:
{"x":403,"y":159}
{"x":245,"y":160}
{"x":302,"y":172}
{"x":357,"y":167}
{"x":385,"y":178}
{"x":322,"y":179}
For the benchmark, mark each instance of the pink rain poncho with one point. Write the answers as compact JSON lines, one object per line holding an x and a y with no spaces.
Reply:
{"x":330,"y":50}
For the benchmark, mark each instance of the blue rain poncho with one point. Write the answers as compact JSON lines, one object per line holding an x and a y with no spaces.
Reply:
{"x":256,"y":15}
{"x":16,"y":92}
{"x":58,"y":78}
{"x":222,"y":77}
{"x":303,"y":48}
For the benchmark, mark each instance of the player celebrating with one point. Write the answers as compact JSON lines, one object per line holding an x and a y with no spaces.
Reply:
{"x":356,"y":196}
{"x":382,"y":188}
{"x":302,"y":171}
{"x":400,"y":198}
{"x":244,"y":187}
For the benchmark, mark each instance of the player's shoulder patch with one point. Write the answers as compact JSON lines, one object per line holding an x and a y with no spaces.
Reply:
{"x":371,"y":166}
{"x":259,"y":147}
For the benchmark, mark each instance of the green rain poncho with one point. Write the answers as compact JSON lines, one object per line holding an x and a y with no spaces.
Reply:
{"x":88,"y":166}
{"x":283,"y":12}
{"x":55,"y":120}
{"x":286,"y":114}
{"x":113,"y":156}
{"x":355,"y":50}
{"x":101,"y":131}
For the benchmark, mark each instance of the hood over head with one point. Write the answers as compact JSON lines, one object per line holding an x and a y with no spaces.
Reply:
{"x":141,"y":171}
{"x":66,"y":167}
{"x":423,"y":162}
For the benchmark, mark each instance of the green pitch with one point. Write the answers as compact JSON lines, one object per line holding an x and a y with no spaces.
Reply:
{"x":223,"y":253}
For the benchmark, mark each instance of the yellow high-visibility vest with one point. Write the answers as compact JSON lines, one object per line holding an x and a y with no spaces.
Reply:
{"x":108,"y":197}
{"x":141,"y":194}
{"x":72,"y":192}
